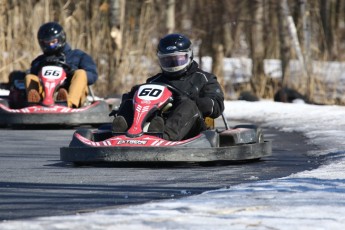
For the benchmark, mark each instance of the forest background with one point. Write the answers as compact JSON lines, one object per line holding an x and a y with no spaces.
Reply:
{"x":122,"y":36}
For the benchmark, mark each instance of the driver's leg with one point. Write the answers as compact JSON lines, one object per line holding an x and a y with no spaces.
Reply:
{"x":182,"y":119}
{"x":77,"y":91}
{"x":124,"y":117}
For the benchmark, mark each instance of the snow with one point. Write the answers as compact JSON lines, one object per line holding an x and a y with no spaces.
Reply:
{"x":4,"y":92}
{"x":313,"y":199}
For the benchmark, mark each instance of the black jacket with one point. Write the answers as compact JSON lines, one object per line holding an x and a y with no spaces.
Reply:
{"x":76,"y":59}
{"x":200,"y":86}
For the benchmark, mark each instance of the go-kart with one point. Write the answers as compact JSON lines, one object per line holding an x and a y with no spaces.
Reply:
{"x":15,"y":111}
{"x":88,"y":146}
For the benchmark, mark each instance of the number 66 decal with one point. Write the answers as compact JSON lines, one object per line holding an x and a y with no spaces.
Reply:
{"x":52,"y":72}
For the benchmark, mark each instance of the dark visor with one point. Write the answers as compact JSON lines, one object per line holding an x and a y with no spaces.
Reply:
{"x":51,"y":43}
{"x":173,"y":60}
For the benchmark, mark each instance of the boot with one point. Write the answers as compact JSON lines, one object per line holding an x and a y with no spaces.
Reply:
{"x":33,"y":96}
{"x":62,"y":95}
{"x":156,"y":125}
{"x":119,"y":125}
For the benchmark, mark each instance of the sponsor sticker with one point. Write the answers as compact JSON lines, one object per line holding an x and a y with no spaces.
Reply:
{"x":132,"y":142}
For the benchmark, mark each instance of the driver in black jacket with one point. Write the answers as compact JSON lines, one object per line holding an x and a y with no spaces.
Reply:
{"x":201,"y":95}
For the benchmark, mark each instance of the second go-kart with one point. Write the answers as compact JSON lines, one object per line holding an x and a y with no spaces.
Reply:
{"x":15,"y":111}
{"x":242,"y":142}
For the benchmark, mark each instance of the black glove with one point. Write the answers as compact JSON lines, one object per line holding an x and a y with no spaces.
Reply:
{"x":113,"y":112}
{"x":205,"y":105}
{"x":180,"y":98}
{"x":54,"y":59}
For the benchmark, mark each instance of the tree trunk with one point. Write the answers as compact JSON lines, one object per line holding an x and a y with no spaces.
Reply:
{"x":170,"y":16}
{"x":297,"y":47}
{"x":327,"y":13}
{"x":284,"y":44}
{"x":305,"y":13}
{"x":218,"y":62}
{"x":217,"y":42}
{"x":257,"y":47}
{"x":116,"y":21}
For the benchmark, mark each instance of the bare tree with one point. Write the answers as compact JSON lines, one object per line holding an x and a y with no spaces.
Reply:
{"x":170,"y":16}
{"x":122,"y":35}
{"x":256,"y":10}
{"x":116,"y":18}
{"x":327,"y":8}
{"x":284,"y":43}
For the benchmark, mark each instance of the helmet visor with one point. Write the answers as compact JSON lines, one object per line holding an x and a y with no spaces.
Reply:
{"x":51,"y":44}
{"x":173,"y":59}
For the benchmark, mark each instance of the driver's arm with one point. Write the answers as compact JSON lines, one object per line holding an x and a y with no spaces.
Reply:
{"x":88,"y":64}
{"x":211,"y":99}
{"x":36,"y":65}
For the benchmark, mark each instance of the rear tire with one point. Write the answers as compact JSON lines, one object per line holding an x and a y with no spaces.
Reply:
{"x":258,"y":131}
{"x":84,"y":133}
{"x":4,"y":102}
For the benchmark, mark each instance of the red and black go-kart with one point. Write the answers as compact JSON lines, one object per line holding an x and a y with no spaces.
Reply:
{"x":242,"y":142}
{"x":15,"y":111}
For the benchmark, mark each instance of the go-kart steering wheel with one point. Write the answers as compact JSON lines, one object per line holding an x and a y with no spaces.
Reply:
{"x":58,"y":61}
{"x":175,"y":91}
{"x":62,"y":64}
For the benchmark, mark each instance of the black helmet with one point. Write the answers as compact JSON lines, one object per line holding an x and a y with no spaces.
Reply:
{"x":175,"y":54}
{"x":51,"y":37}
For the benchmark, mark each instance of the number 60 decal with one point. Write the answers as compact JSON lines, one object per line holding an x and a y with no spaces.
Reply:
{"x":150,"y":92}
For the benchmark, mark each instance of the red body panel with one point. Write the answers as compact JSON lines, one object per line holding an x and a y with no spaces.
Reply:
{"x":51,"y":77}
{"x":40,"y":109}
{"x":147,"y":99}
{"x":145,"y":140}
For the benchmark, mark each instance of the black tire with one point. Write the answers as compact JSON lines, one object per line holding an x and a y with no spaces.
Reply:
{"x":212,"y":137}
{"x":260,"y":136}
{"x":258,"y":131}
{"x":83,"y":132}
{"x":15,"y":76}
{"x":4,"y":102}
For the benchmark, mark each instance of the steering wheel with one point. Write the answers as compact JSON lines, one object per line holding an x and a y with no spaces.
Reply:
{"x":58,"y":61}
{"x":175,"y":91}
{"x":61,"y":63}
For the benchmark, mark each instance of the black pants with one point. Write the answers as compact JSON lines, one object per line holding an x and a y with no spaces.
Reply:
{"x":183,"y":121}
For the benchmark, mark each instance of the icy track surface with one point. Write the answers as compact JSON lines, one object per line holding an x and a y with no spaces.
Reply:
{"x":307,"y":200}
